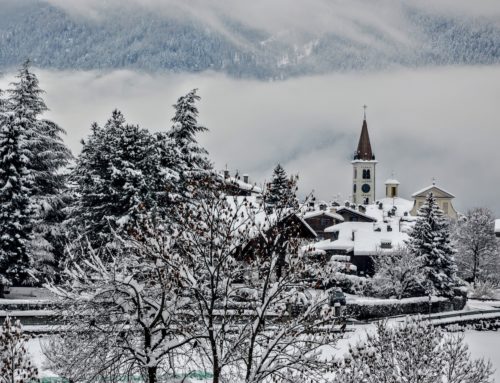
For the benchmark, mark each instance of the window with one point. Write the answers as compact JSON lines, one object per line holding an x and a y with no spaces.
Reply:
{"x":366,"y":174}
{"x":355,"y":173}
{"x":354,"y":188}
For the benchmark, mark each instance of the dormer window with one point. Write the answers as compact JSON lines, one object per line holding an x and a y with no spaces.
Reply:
{"x":385,"y":244}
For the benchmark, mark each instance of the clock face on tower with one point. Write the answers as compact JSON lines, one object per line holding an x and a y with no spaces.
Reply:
{"x":365,"y":188}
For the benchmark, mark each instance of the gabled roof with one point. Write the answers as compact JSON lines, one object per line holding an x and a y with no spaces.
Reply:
{"x":364,"y":151}
{"x":425,"y":191}
{"x":319,"y":213}
{"x":357,"y":213}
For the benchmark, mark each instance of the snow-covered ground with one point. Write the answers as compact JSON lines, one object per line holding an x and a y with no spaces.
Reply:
{"x":481,"y":344}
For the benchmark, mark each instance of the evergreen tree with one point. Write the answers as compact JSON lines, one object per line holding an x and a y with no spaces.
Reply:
{"x":48,"y":157}
{"x":430,"y":241}
{"x":281,"y":190}
{"x":16,"y":210}
{"x":192,"y":164}
{"x":116,"y":175}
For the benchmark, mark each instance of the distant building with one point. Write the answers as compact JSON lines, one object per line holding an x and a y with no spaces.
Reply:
{"x":443,"y":199}
{"x":497,"y":227}
{"x":238,"y":186}
{"x":363,"y":164}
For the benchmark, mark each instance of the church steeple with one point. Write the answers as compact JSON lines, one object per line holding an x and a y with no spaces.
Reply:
{"x":363,"y":188}
{"x":364,"y":151}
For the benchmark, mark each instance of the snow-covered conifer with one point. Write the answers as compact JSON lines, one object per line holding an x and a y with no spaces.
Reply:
{"x":48,"y":157}
{"x":477,"y":256}
{"x":116,"y":176}
{"x":15,"y":362}
{"x":281,"y":189}
{"x":430,"y":240}
{"x":17,"y":216}
{"x":192,"y":163}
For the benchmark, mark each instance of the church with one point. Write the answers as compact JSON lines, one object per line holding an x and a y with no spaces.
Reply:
{"x":368,"y":224}
{"x":364,"y":181}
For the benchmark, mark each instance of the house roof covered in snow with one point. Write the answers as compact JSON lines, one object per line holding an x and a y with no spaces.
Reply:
{"x":365,"y":238}
{"x":236,"y":182}
{"x":319,"y":213}
{"x":423,"y":192}
{"x":356,"y":212}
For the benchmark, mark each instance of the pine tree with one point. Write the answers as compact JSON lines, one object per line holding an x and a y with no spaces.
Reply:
{"x":116,"y":175}
{"x":48,"y":156}
{"x":16,"y":210}
{"x":281,"y":191}
{"x":192,"y":164}
{"x":15,"y":363}
{"x":430,"y":241}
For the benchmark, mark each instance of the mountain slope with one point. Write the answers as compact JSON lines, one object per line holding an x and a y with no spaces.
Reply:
{"x":145,"y":40}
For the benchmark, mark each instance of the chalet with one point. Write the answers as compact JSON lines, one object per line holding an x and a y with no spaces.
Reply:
{"x":351,"y":215}
{"x":319,"y":220}
{"x":443,"y":199}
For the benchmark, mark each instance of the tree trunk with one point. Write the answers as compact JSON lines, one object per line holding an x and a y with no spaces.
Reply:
{"x":152,"y":374}
{"x":474,"y":270}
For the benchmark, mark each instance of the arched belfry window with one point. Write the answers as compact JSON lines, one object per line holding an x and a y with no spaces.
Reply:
{"x":366,"y":174}
{"x":354,"y":188}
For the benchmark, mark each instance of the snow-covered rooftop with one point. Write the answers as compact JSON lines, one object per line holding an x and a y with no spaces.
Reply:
{"x":317,"y":213}
{"x":363,"y":239}
{"x":431,"y":187}
{"x":392,"y":182}
{"x":241,"y":184}
{"x":497,"y":226}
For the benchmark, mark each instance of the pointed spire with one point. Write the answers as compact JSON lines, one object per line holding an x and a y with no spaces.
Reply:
{"x":364,"y":151}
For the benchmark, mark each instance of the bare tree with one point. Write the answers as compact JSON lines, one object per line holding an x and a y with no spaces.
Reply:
{"x":260,"y":321}
{"x":477,"y":255}
{"x":398,"y":273}
{"x":15,"y":361}
{"x":414,"y":352}
{"x":122,"y":316}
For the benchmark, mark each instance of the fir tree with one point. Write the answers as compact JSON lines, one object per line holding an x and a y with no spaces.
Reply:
{"x":281,"y":190}
{"x":16,"y":210}
{"x":430,"y":241}
{"x":192,"y":164}
{"x":48,"y":156}
{"x":116,"y":175}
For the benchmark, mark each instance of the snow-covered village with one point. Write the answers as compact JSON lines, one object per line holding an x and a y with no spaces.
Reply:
{"x":258,"y":192}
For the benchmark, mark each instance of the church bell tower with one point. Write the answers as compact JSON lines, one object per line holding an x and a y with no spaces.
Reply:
{"x":363,"y":192}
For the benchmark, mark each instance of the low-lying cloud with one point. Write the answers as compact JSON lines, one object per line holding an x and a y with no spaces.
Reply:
{"x":424,"y":123}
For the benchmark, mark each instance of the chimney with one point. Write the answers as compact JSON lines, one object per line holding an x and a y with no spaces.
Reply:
{"x":245,"y":178}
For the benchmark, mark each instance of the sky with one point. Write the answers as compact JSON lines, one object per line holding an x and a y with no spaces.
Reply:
{"x":425,"y":123}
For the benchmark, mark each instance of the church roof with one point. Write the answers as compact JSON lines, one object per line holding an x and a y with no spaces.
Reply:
{"x":364,"y":151}
{"x":428,"y":189}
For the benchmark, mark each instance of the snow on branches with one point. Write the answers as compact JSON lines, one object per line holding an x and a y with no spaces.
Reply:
{"x":15,"y":361}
